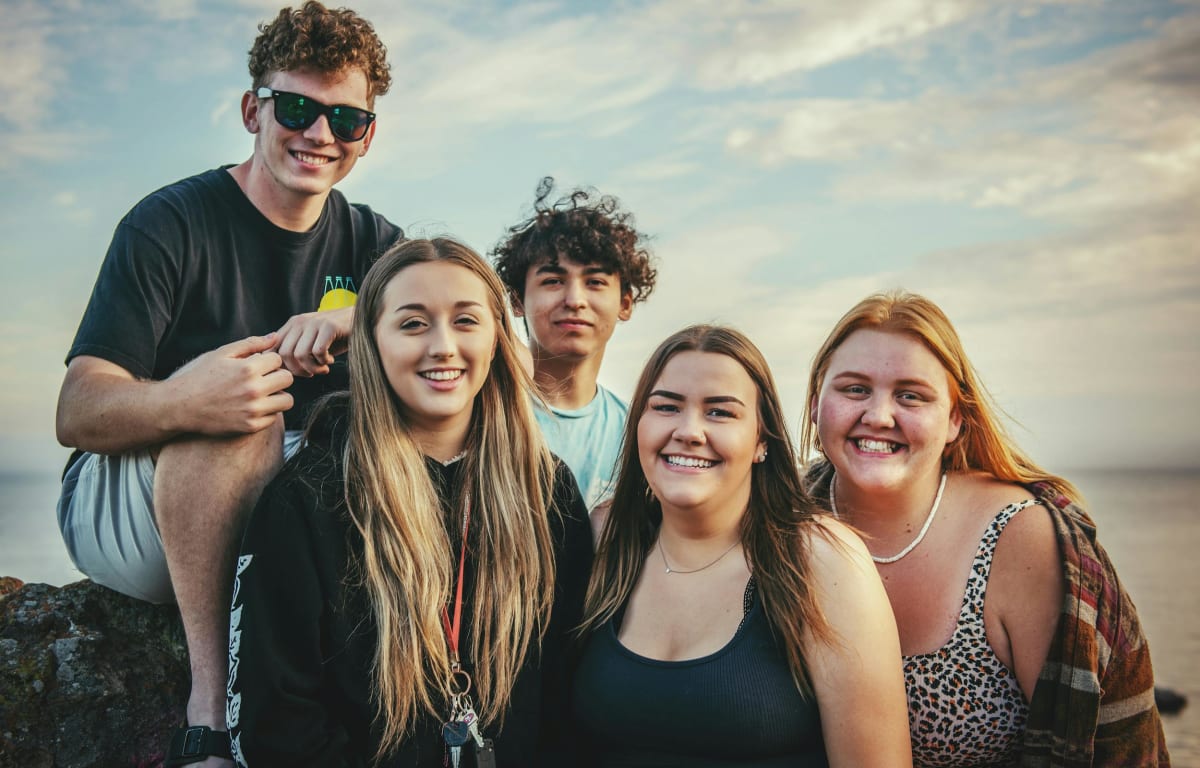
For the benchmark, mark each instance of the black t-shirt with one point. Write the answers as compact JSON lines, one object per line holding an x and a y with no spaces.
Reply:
{"x":195,"y":265}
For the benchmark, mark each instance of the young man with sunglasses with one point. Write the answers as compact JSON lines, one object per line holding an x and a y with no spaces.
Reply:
{"x":214,"y":323}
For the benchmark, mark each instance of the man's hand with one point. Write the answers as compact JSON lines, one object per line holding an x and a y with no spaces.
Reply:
{"x":307,"y":343}
{"x":234,"y":389}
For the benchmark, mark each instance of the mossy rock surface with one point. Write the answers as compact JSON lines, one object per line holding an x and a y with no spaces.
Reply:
{"x":88,"y":677}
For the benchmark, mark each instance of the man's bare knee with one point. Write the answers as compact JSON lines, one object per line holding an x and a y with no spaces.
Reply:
{"x":223,"y":475}
{"x":258,"y":454}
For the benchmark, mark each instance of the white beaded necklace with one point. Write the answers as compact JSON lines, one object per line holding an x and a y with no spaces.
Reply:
{"x":669,"y":569}
{"x":937,"y":500}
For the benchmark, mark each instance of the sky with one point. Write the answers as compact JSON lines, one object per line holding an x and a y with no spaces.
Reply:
{"x":1033,"y":167}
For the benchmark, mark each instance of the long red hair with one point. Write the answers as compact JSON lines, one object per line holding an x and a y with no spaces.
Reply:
{"x":982,"y":444}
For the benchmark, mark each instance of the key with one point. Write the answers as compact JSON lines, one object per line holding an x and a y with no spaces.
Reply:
{"x":469,"y":717}
{"x":485,"y":756}
{"x":455,"y":733}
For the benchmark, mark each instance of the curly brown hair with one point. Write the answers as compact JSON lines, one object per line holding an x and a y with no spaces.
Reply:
{"x":315,"y":37}
{"x":583,"y":228}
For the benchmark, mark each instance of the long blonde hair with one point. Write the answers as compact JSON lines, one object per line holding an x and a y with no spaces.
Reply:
{"x":775,"y":530}
{"x":982,"y":442}
{"x":406,"y":566}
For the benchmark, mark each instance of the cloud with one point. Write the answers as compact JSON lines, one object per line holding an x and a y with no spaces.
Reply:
{"x":762,"y":42}
{"x":69,"y":206}
{"x":1121,"y":305}
{"x":464,"y":74}
{"x":689,"y":266}
{"x":1115,"y":133}
{"x":30,"y":71}
{"x":35,"y":145}
{"x":165,"y":10}
{"x":662,"y":169}
{"x":562,"y":70}
{"x":538,"y":64}
{"x":225,"y":104}
{"x":48,"y":49}
{"x":825,"y":130}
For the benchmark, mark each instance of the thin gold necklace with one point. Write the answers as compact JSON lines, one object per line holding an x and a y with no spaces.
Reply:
{"x":669,"y":569}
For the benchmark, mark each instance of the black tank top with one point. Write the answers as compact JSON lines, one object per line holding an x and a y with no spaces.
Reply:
{"x":735,"y":707}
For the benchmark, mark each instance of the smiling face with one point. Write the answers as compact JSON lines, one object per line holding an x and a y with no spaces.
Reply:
{"x":699,"y":434}
{"x":572,"y":309}
{"x":292,"y":165}
{"x":884,"y":413}
{"x":436,"y":336}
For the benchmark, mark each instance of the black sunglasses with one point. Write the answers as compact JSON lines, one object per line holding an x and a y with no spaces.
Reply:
{"x":297,"y":112}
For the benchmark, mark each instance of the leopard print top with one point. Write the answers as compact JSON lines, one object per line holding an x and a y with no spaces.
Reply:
{"x":965,"y":707}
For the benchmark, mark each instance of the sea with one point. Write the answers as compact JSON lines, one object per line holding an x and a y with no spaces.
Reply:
{"x":1147,"y":521}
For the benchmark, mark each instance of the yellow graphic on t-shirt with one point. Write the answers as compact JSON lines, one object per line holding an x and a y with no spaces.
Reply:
{"x":339,"y":293}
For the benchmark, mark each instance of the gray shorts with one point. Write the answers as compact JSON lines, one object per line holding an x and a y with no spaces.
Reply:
{"x":106,"y":515}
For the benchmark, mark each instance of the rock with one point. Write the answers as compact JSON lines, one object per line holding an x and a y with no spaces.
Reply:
{"x":88,"y":677}
{"x":1169,"y":702}
{"x":9,"y":584}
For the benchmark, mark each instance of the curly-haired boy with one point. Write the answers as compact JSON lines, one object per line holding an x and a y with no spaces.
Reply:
{"x":203,"y":343}
{"x":575,"y":269}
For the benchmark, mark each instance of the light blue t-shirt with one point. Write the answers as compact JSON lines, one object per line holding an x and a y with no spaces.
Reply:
{"x":589,"y":441}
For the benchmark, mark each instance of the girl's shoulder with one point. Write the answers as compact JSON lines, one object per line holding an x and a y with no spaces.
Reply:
{"x":981,"y":496}
{"x":836,"y":549}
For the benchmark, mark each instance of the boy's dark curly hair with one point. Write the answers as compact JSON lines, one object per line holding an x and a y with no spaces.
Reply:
{"x":583,"y":228}
{"x":325,"y":40}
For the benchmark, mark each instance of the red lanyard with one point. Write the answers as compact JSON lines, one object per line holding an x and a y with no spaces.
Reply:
{"x":452,"y":630}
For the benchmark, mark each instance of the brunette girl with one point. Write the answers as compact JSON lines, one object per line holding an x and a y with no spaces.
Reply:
{"x":726,"y":624}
